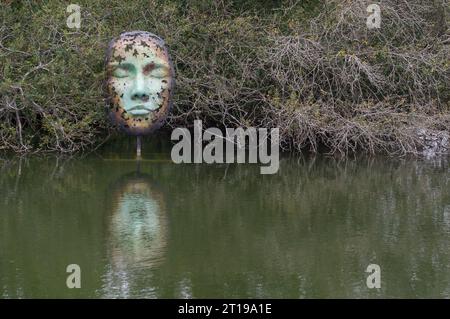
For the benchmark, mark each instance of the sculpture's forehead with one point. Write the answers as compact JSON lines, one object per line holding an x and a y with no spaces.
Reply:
{"x":139,"y":47}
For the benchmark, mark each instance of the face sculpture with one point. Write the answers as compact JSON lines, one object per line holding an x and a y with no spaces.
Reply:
{"x":140,"y":81}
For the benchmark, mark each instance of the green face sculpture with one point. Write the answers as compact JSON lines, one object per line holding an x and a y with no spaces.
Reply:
{"x":140,"y":81}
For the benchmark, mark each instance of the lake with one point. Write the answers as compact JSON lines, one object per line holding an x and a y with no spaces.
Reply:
{"x":155,"y":229}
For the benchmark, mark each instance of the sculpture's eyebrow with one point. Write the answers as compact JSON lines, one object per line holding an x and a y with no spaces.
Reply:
{"x":149,"y":67}
{"x":154,"y":65}
{"x":126,"y":66}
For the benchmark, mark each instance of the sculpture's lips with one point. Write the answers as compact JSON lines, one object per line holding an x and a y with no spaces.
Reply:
{"x":140,"y":110}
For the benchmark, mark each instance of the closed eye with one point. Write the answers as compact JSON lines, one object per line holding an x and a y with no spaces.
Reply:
{"x":123,"y":70}
{"x":159,"y":72}
{"x":156,"y":70}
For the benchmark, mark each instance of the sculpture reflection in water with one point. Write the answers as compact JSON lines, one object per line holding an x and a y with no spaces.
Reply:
{"x":137,"y":226}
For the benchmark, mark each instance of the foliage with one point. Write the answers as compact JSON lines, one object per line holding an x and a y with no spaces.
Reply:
{"x":311,"y":68}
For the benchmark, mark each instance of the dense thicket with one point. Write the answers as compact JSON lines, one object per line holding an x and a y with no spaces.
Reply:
{"x":312,"y":68}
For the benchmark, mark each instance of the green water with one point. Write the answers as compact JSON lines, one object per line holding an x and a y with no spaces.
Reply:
{"x":189,"y":231}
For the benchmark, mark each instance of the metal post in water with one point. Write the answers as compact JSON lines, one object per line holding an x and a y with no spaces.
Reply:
{"x":138,"y":146}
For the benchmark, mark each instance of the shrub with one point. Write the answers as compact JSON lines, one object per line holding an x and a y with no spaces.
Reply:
{"x":311,"y":68}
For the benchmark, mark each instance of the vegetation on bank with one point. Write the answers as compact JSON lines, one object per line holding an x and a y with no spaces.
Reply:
{"x":311,"y":68}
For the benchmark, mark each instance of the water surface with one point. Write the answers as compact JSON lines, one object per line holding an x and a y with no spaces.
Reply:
{"x":161,"y":230}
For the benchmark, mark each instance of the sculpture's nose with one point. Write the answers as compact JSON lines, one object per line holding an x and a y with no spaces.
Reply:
{"x":139,"y":92}
{"x":140,"y":96}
